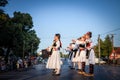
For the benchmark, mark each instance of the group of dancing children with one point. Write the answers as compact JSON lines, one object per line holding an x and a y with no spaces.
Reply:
{"x":81,"y":52}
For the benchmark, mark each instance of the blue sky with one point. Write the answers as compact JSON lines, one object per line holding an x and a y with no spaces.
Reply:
{"x":70,"y":18}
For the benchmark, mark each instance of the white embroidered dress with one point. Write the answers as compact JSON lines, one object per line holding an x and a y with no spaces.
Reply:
{"x":91,"y":58}
{"x":54,"y":61}
{"x":75,"y":54}
{"x":82,"y":54}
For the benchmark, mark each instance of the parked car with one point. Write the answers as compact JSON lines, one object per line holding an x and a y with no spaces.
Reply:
{"x":101,"y":61}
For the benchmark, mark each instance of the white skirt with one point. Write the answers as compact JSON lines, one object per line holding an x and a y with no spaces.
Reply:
{"x":54,"y":61}
{"x":74,"y":59}
{"x":82,"y":56}
{"x":91,"y":58}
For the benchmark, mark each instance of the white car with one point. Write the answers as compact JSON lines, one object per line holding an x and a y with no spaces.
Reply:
{"x":101,"y":61}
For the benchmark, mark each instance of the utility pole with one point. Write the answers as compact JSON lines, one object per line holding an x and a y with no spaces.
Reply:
{"x":112,"y":39}
{"x":99,"y":47}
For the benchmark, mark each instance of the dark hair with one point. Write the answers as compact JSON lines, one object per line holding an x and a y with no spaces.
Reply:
{"x":79,"y":38}
{"x":59,"y":36}
{"x":89,"y":33}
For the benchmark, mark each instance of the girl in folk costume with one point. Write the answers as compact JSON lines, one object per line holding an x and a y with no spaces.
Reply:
{"x":82,"y":56}
{"x":71,"y":54}
{"x":75,"y":52}
{"x":54,"y":61}
{"x":90,"y":54}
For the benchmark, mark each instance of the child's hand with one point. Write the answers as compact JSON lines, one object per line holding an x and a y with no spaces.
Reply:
{"x":73,"y":40}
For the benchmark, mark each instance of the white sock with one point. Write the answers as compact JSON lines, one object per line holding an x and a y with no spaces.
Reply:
{"x":58,"y":71}
{"x":79,"y":66}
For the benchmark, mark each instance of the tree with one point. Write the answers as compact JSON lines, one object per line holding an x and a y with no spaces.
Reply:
{"x":107,"y":46}
{"x":16,"y":33}
{"x":25,"y":36}
{"x":18,"y":36}
{"x":3,"y":16}
{"x":24,"y":20}
{"x":3,"y":3}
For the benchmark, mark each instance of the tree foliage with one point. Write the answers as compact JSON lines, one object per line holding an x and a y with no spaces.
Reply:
{"x":16,"y":33}
{"x":3,"y":3}
{"x":105,"y":47}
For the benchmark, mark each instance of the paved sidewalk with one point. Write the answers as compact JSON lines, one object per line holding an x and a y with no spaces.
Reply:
{"x":39,"y":72}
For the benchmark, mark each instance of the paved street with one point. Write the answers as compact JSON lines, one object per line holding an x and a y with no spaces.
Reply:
{"x":39,"y":72}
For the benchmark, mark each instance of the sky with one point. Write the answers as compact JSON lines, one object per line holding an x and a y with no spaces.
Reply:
{"x":70,"y":18}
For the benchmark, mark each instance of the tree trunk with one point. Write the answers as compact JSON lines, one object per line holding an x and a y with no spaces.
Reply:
{"x":7,"y":54}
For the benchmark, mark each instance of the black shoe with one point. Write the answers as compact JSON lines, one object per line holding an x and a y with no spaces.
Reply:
{"x":56,"y":74}
{"x":54,"y":71}
{"x":79,"y":70}
{"x":72,"y":68}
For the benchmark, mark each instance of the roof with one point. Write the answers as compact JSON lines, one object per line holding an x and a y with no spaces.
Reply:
{"x":117,"y":50}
